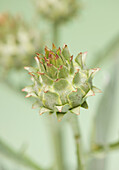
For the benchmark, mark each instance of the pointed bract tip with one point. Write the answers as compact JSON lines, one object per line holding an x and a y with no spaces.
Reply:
{"x":56,"y":80}
{"x":80,"y":53}
{"x":33,"y":107}
{"x":56,"y":57}
{"x":100,"y":91}
{"x":97,"y":69}
{"x":49,"y":65}
{"x":31,"y":74}
{"x":61,"y":66}
{"x":28,"y":95}
{"x":46,"y":91}
{"x":41,"y":113}
{"x":26,"y":68}
{"x":85,"y":52}
{"x":77,"y":113}
{"x":59,"y":108}
{"x":53,"y":46}
{"x":77,"y":70}
{"x":64,"y":46}
{"x":71,"y":58}
{"x":93,"y":94}
{"x":32,"y":78}
{"x":36,"y":58}
{"x":74,"y":90}
{"x":37,"y":54}
{"x":59,"y":49}
{"x":23,"y":89}
{"x":40,"y":73}
{"x":46,"y":49}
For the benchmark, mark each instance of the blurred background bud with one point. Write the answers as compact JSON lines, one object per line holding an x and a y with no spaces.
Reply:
{"x":18,"y":42}
{"x":58,"y":11}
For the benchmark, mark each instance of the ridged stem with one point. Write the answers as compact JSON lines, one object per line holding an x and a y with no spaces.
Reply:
{"x":77,"y":137}
{"x":57,"y":140}
{"x":59,"y":148}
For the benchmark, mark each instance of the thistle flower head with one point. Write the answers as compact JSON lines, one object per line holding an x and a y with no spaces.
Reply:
{"x":60,"y":84}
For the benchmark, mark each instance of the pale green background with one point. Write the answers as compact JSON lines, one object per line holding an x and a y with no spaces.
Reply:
{"x":20,"y":125}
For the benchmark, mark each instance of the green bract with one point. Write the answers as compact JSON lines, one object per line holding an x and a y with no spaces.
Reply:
{"x":60,"y":84}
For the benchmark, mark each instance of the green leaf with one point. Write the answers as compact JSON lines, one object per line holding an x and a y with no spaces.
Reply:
{"x":105,"y":111}
{"x":108,"y":52}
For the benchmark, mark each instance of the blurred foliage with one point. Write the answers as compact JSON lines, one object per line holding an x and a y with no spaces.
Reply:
{"x":110,"y":52}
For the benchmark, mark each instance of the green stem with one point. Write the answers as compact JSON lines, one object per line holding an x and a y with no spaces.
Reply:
{"x":59,"y":149}
{"x":57,"y":140}
{"x":98,"y":150}
{"x":77,"y":136}
{"x":55,"y":33}
{"x":17,"y":156}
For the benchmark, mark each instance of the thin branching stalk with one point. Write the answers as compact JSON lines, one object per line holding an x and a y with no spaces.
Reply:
{"x":102,"y":150}
{"x":57,"y":142}
{"x":77,"y":137}
{"x":17,"y":156}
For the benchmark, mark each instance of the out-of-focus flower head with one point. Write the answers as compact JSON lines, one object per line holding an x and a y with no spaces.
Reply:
{"x":58,"y":11}
{"x":18,"y":42}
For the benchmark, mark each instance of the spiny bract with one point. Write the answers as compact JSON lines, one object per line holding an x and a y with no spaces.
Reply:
{"x":60,"y":84}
